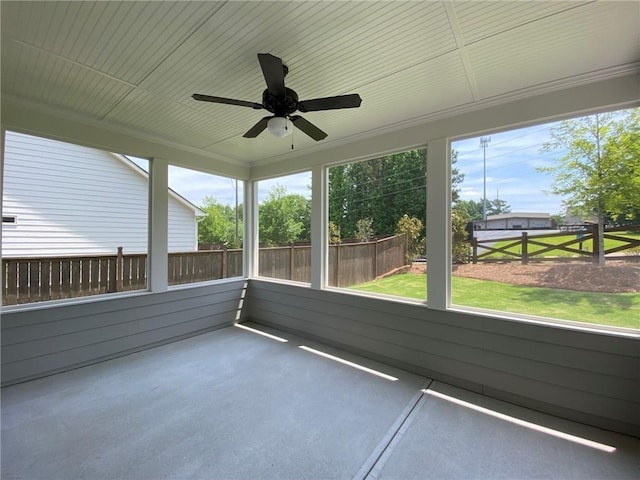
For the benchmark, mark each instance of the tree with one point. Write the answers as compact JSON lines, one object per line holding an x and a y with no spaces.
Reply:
{"x":382,"y":189}
{"x":469,"y":209}
{"x":413,"y":228}
{"x":284,"y":218}
{"x":557,"y":220}
{"x":497,"y":206}
{"x":460,"y":248}
{"x":219,"y":224}
{"x":364,"y":231}
{"x":456,"y":178}
{"x":599,"y":173}
{"x":334,"y":234}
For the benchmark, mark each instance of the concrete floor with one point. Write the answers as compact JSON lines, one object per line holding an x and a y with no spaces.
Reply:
{"x":234,"y":404}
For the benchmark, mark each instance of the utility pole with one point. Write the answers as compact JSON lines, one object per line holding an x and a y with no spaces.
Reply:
{"x":484,"y":143}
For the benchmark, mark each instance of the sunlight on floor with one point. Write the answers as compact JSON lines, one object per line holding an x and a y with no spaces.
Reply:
{"x":264,"y":334}
{"x":523,"y":423}
{"x":350,"y":364}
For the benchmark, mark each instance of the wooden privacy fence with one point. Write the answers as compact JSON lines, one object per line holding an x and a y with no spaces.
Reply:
{"x":287,"y":263}
{"x":27,"y":280}
{"x":520,"y":248}
{"x":349,"y":264}
{"x":354,"y":263}
{"x":189,"y":267}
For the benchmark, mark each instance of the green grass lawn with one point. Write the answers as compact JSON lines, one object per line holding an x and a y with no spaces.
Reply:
{"x":587,"y":246}
{"x":617,"y":309}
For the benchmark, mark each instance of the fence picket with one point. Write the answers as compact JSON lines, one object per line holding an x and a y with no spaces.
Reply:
{"x":45,"y":280}
{"x":56,"y":279}
{"x":34,"y":279}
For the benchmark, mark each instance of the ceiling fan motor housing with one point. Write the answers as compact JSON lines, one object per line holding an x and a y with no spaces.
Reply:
{"x":278,"y":105}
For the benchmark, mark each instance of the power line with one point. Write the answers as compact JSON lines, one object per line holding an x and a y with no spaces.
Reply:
{"x":354,"y":199}
{"x":508,"y":165}
{"x":418,"y":167}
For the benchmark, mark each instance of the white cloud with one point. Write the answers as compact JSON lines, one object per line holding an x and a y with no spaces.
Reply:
{"x":512,"y":159}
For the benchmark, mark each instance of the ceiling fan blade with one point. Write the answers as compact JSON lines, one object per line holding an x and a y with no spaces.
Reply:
{"x":308,"y":127}
{"x":273,"y":72}
{"x":227,"y":101}
{"x":330,"y":103}
{"x":257,"y":128}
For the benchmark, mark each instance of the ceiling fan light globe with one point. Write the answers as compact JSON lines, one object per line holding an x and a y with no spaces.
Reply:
{"x":279,"y":127}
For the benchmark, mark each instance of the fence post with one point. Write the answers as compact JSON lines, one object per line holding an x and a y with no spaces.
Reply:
{"x":595,"y":232}
{"x":474,"y":248}
{"x":225,"y":261}
{"x":375,"y":259}
{"x":337,"y":267}
{"x":119,"y":270}
{"x":405,"y":249}
{"x":525,"y":249}
{"x":291,"y":264}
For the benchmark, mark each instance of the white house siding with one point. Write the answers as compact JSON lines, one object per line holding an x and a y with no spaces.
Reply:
{"x":183,"y":229}
{"x":74,"y":200}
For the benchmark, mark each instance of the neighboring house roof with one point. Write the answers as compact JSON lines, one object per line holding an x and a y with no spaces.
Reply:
{"x":141,"y":171}
{"x":504,"y":216}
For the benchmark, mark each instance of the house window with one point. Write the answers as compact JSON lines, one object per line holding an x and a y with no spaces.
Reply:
{"x":83,"y":221}
{"x":572,"y":253}
{"x":205,"y":226}
{"x":284,"y":227}
{"x":377,"y":218}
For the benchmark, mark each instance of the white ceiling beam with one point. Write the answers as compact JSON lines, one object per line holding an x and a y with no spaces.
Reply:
{"x":464,"y":54}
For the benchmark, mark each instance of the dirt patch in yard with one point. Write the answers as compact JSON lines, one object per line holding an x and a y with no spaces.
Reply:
{"x":617,"y":276}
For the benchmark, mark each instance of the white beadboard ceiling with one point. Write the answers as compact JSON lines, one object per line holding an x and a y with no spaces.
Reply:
{"x":134,"y":65}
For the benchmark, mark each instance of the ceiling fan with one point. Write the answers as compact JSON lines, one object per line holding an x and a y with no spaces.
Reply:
{"x":282,"y":102}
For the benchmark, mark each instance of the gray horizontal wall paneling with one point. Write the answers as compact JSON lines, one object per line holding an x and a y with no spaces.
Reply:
{"x":590,"y":377}
{"x":38,"y":342}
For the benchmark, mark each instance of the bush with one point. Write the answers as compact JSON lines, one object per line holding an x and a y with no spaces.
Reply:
{"x":364,"y":230}
{"x":413,"y":229}
{"x":460,"y":248}
{"x":334,"y":234}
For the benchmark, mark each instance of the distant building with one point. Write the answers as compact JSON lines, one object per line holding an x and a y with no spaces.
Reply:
{"x":515,"y":221}
{"x":573,"y":219}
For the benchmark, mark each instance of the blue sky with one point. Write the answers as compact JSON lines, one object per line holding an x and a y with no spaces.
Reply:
{"x":194,"y":186}
{"x":512,"y":158}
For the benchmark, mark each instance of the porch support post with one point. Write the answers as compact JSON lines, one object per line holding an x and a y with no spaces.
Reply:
{"x":319,"y":228}
{"x":438,"y":224}
{"x":2,"y":133}
{"x":158,"y":264}
{"x":250,"y":241}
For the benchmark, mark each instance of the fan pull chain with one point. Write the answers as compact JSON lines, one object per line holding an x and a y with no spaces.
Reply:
{"x":292,"y":130}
